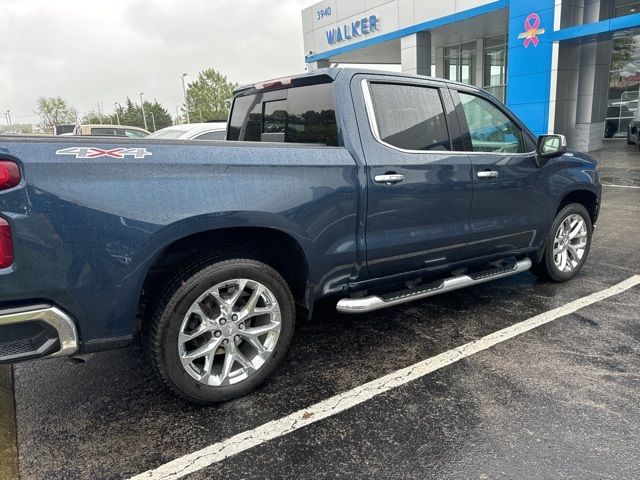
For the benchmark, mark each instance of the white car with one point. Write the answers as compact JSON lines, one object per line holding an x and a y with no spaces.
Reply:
{"x":193,"y":131}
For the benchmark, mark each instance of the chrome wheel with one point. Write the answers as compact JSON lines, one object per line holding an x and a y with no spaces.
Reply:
{"x":229,"y":332}
{"x":570,"y":243}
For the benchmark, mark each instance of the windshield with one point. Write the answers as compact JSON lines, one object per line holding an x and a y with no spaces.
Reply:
{"x":169,"y":133}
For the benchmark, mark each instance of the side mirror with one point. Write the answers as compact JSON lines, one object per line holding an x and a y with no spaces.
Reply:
{"x":552,"y":145}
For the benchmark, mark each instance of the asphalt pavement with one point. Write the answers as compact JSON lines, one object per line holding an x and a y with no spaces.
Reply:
{"x":559,"y":401}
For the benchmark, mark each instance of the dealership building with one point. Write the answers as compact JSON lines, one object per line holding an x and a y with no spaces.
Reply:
{"x":563,"y":66}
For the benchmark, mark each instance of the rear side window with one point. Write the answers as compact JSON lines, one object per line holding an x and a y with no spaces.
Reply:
{"x":490,"y":129}
{"x":297,"y":115}
{"x":410,"y":117}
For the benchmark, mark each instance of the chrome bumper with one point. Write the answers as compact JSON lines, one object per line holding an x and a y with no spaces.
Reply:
{"x":61,"y":323}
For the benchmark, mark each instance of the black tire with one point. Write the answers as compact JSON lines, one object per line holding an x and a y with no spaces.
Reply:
{"x":180,"y":293}
{"x":547,"y":268}
{"x":629,"y":142}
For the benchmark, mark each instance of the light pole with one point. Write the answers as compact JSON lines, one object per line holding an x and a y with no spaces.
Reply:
{"x":177,"y":116}
{"x":144,"y":116}
{"x":184,"y":93}
{"x":9,"y":117}
{"x":117,"y":114}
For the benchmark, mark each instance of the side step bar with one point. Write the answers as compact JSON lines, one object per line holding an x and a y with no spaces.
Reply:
{"x":375,"y":302}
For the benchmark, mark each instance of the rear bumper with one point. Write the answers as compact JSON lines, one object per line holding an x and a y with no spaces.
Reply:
{"x":37,"y":331}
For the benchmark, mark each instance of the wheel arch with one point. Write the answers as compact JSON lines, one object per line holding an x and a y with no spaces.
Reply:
{"x":277,"y":248}
{"x":585,"y":197}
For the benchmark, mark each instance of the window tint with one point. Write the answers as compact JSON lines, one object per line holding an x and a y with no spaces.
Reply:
{"x":490,"y":129}
{"x":297,"y":115}
{"x":410,"y":117}
{"x":220,"y":135}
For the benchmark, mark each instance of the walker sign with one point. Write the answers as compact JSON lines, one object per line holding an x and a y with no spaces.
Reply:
{"x":355,"y":29}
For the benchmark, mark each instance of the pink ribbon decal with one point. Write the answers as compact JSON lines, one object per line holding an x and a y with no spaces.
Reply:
{"x":531,"y":25}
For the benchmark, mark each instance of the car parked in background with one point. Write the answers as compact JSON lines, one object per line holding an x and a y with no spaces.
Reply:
{"x":64,"y":129}
{"x":193,"y":131}
{"x":111,"y":130}
{"x":633,"y":130}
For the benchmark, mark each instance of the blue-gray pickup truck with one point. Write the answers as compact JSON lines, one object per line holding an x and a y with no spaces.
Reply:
{"x":370,"y":188}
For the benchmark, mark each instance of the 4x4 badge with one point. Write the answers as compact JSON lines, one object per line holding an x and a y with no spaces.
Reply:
{"x":93,"y":152}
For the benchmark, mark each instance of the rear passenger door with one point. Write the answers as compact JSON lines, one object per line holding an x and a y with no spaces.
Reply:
{"x":419,"y":192}
{"x":509,"y":195}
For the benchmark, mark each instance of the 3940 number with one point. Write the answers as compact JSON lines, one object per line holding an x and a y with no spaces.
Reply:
{"x":325,"y":12}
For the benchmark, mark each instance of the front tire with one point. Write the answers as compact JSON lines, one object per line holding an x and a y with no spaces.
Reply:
{"x":221,"y":329}
{"x":567,"y":245}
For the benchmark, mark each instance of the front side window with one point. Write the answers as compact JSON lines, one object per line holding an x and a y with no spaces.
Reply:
{"x":410,"y":117}
{"x":490,"y":129}
{"x":297,"y":115}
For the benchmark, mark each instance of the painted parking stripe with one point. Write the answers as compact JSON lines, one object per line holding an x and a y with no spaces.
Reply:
{"x":618,"y":186}
{"x":217,"y":452}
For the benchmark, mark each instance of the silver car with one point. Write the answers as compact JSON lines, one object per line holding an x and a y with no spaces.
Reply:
{"x":193,"y":131}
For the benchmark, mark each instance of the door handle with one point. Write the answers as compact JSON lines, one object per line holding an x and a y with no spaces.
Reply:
{"x":389,"y":178}
{"x":488,"y":174}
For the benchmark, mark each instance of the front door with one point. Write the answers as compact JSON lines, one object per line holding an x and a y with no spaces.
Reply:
{"x":418,"y":191}
{"x":509,"y":191}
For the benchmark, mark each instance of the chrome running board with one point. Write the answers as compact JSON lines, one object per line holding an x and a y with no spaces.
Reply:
{"x":375,"y":302}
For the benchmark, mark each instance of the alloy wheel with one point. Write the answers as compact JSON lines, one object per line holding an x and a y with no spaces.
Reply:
{"x":229,"y":332}
{"x":570,"y":243}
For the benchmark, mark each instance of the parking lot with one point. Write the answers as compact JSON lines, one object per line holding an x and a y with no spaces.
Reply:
{"x":561,"y":400}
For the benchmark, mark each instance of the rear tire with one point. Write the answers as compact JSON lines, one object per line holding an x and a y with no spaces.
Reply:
{"x":221,"y":329}
{"x":567,"y":245}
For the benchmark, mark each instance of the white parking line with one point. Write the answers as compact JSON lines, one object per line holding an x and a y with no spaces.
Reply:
{"x":217,"y":452}
{"x":619,"y":186}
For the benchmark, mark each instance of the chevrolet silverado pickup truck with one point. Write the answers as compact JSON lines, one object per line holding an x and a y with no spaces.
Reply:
{"x":371,"y":189}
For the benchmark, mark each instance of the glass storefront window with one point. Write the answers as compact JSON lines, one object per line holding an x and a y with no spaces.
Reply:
{"x":451,"y":55}
{"x":627,"y":9}
{"x":460,"y":63}
{"x":468,"y":63}
{"x":495,"y":65}
{"x":624,"y":85}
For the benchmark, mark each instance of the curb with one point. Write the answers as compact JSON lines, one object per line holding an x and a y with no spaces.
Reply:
{"x":8,"y":431}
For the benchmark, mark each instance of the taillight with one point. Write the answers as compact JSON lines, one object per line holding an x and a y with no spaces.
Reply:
{"x":9,"y":174}
{"x":6,"y":245}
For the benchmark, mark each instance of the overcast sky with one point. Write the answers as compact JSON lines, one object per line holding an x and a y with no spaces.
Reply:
{"x":90,"y":51}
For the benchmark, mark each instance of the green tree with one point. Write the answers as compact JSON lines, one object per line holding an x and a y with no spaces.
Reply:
{"x":208,"y":96}
{"x":131,"y":114}
{"x":93,"y":117}
{"x":54,"y":111}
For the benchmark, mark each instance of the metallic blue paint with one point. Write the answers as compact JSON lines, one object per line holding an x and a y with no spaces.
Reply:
{"x":87,"y":231}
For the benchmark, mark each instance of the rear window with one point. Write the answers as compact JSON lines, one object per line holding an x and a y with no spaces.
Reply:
{"x":297,"y":115}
